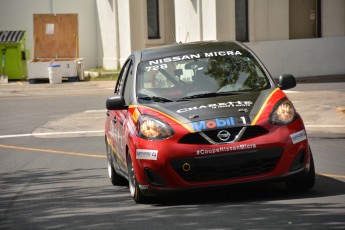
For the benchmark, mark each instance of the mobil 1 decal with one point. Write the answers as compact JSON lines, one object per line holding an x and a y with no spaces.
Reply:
{"x":221,"y":123}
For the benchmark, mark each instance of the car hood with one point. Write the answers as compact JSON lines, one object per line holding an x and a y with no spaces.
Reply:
{"x":215,"y":112}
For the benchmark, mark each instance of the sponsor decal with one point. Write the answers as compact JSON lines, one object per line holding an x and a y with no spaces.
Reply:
{"x":195,"y":56}
{"x":220,"y":123}
{"x":223,"y":53}
{"x":212,"y":151}
{"x":229,"y":104}
{"x":188,"y":127}
{"x":256,"y":118}
{"x":298,"y":137}
{"x":131,"y":126}
{"x":136,"y":114}
{"x":146,"y":154}
{"x":116,"y":136}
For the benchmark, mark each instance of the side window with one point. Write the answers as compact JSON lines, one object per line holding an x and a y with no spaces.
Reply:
{"x":122,"y":77}
{"x":128,"y":87}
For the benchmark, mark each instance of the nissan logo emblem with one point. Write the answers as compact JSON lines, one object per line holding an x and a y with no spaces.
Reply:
{"x":224,"y":135}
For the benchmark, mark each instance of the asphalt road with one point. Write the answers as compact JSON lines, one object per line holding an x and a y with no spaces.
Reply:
{"x":53,"y":169}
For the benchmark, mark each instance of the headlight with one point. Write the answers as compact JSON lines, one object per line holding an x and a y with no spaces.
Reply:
{"x":283,"y":113}
{"x":153,"y":128}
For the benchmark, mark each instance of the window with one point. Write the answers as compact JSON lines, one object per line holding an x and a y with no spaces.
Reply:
{"x":241,"y":13}
{"x":121,"y":79}
{"x":153,"y":19}
{"x":128,"y":88}
{"x":125,"y":82}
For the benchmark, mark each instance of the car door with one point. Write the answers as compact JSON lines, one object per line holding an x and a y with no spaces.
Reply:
{"x":117,"y":118}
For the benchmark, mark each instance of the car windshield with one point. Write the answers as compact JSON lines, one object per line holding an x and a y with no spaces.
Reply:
{"x":199,"y":75}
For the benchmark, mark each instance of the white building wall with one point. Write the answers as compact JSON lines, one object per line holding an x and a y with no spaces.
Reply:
{"x":187,"y":20}
{"x":208,"y":24}
{"x":268,"y":20}
{"x":269,"y":34}
{"x":168,"y":32}
{"x":137,"y":19}
{"x":166,"y":24}
{"x":333,"y":18}
{"x":197,"y":20}
{"x":225,"y":14}
{"x":18,"y":15}
{"x":191,"y":20}
{"x":303,"y":57}
{"x":107,"y":34}
{"x":124,"y":33}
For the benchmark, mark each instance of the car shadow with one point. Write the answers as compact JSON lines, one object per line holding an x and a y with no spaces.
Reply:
{"x":266,"y":191}
{"x":84,"y":198}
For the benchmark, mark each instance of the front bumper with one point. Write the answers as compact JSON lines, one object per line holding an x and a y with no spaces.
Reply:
{"x":180,"y":166}
{"x":150,"y":191}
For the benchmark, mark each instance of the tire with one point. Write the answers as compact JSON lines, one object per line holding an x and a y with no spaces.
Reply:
{"x":305,"y":183}
{"x":114,"y":178}
{"x":134,"y":189}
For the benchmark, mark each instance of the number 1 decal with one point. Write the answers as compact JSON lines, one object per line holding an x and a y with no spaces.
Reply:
{"x":243,"y":119}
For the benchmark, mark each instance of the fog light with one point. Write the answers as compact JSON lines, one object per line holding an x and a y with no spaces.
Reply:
{"x":299,"y":161}
{"x":154,"y":179}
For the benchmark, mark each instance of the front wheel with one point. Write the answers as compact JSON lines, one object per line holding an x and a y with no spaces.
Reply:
{"x":134,"y":189}
{"x":304,"y":183}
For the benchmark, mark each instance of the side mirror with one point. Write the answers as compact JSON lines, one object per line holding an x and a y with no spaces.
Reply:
{"x":287,"y":81}
{"x":116,"y":102}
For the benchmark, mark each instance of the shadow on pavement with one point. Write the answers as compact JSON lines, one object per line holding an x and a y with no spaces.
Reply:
{"x":75,"y":199}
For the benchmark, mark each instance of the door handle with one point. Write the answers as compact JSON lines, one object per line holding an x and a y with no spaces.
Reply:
{"x":114,"y":120}
{"x":107,"y":113}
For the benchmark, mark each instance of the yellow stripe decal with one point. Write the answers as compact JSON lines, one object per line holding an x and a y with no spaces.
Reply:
{"x":115,"y":152}
{"x":177,"y":121}
{"x":263,"y":106}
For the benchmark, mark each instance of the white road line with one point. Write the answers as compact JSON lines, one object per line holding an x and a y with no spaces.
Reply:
{"x":291,"y":91}
{"x":101,"y":131}
{"x":325,"y":126}
{"x":328,"y":106}
{"x":50,"y":134}
{"x":95,"y":111}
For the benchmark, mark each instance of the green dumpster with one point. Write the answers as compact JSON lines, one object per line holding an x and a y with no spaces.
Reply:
{"x":13,"y":54}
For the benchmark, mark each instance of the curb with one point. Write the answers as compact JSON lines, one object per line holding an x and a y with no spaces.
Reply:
{"x":321,"y":79}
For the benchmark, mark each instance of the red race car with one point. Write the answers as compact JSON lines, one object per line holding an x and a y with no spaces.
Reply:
{"x":200,"y":115}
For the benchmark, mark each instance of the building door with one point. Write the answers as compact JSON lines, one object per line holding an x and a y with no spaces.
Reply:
{"x":56,"y":36}
{"x":304,"y":19}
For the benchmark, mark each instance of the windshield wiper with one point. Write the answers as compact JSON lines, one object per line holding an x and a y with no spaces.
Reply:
{"x":203,"y":95}
{"x":206,"y":95}
{"x":154,"y":98}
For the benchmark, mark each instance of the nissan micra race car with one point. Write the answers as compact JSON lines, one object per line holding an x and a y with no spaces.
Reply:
{"x":203,"y":114}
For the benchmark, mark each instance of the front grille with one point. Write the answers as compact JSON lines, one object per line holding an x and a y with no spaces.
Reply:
{"x":236,"y":134}
{"x":228,"y":165}
{"x":253,"y":131}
